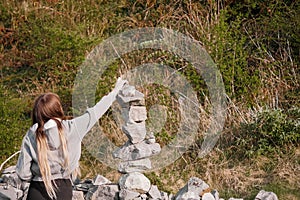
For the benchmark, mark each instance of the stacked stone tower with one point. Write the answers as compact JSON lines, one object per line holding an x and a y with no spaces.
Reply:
{"x":135,"y":153}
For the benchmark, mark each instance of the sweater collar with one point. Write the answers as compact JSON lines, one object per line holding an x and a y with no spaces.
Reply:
{"x":50,"y":124}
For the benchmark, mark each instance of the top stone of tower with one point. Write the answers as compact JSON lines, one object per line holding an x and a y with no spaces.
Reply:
{"x":129,"y":94}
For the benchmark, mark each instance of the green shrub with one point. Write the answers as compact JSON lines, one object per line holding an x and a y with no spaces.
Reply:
{"x":14,"y":122}
{"x":273,"y":131}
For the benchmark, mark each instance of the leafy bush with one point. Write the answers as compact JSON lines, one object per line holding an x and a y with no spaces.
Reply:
{"x":273,"y":131}
{"x":14,"y":122}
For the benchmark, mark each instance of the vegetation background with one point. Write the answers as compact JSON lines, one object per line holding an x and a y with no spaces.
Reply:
{"x":255,"y":44}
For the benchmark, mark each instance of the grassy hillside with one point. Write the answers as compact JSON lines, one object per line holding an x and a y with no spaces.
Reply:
{"x":255,"y":45}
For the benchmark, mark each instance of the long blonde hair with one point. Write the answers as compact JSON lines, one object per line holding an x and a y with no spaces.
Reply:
{"x":48,"y":106}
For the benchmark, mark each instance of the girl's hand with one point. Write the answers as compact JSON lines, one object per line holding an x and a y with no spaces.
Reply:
{"x":120,"y":84}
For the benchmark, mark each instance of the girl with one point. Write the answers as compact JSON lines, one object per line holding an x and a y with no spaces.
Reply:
{"x":51,"y":148}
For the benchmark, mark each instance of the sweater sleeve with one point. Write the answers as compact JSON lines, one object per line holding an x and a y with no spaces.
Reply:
{"x":85,"y":122}
{"x":24,"y":161}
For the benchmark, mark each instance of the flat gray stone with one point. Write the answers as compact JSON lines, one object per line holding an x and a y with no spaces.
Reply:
{"x":9,"y":170}
{"x":107,"y":192}
{"x":135,"y":166}
{"x":9,"y":192}
{"x":135,"y":132}
{"x":147,"y":150}
{"x":127,"y":96}
{"x":128,"y":194}
{"x":136,"y":151}
{"x":128,"y":91}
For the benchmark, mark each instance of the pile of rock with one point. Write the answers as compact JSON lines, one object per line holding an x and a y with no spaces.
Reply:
{"x":11,"y":187}
{"x":100,"y":188}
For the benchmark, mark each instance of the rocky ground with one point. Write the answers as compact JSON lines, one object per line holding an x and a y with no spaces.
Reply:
{"x":131,"y":186}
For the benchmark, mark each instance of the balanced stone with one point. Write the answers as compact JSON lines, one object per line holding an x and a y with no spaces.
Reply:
{"x":136,"y":151}
{"x":128,"y":91}
{"x":147,"y":150}
{"x":135,"y":132}
{"x":135,"y":166}
{"x":137,"y":113}
{"x":129,"y":94}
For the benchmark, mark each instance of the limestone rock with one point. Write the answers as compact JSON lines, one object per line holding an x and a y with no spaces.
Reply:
{"x":192,"y":189}
{"x":107,"y":192}
{"x":135,"y":132}
{"x":137,"y":113}
{"x":136,"y":151}
{"x":128,"y":91}
{"x":129,"y":94}
{"x":12,"y":179}
{"x":77,"y":195}
{"x":147,"y":150}
{"x":154,"y":193}
{"x":9,"y":192}
{"x":264,"y":195}
{"x":208,"y":196}
{"x":143,"y":196}
{"x":135,"y":181}
{"x":9,"y":170}
{"x":190,"y":195}
{"x":128,"y":194}
{"x":100,"y":180}
{"x":135,"y":166}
